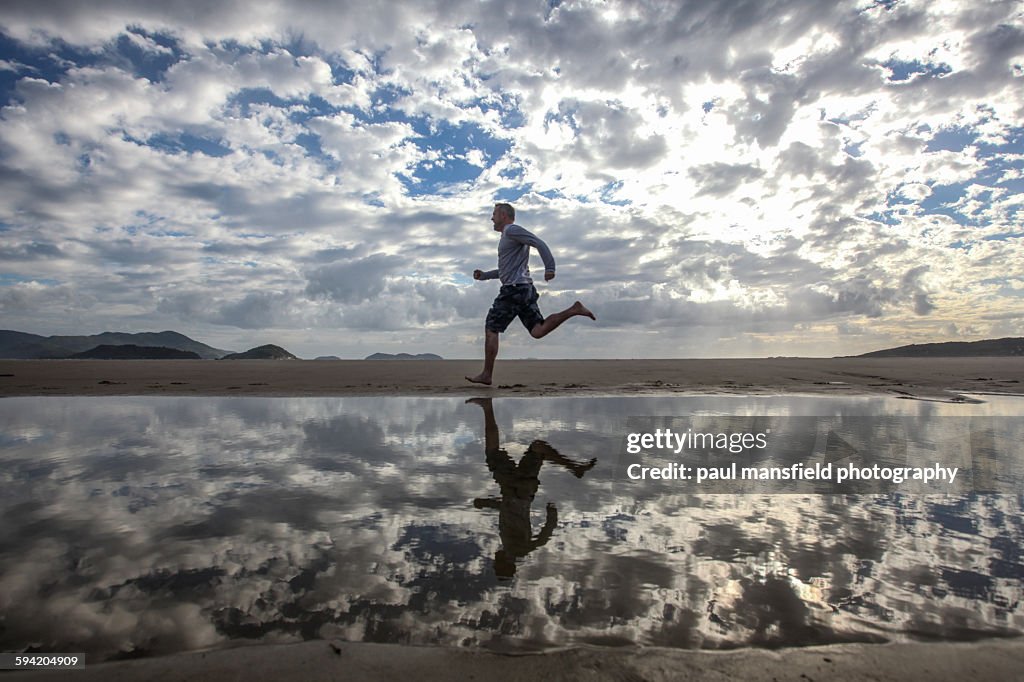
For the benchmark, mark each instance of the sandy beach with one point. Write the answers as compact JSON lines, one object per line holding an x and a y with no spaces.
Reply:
{"x":925,"y":378}
{"x":321,"y":660}
{"x":946,"y":379}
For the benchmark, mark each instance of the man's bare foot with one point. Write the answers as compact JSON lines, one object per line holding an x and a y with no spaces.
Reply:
{"x":579,"y":469}
{"x":580,"y":309}
{"x":480,"y":379}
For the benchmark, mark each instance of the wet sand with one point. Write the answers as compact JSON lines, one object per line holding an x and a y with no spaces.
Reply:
{"x":944,"y":379}
{"x":924,"y":378}
{"x":320,"y":660}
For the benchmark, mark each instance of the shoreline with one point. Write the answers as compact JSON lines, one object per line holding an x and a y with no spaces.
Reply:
{"x":913,"y":378}
{"x":994,"y":659}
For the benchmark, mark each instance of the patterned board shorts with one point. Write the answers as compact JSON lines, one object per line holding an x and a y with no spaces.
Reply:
{"x":514,"y":300}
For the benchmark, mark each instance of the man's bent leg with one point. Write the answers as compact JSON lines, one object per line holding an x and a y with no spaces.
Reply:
{"x":552,"y":322}
{"x":490,"y":353}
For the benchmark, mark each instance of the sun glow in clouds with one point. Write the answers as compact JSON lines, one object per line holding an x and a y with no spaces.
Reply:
{"x":701,"y":172}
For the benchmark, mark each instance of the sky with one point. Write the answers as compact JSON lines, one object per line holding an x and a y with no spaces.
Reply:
{"x":714,"y":178}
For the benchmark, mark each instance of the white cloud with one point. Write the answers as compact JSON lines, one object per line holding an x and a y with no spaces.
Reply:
{"x":816,"y":153}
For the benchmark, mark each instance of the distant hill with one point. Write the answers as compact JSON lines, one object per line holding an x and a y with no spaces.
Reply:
{"x":267,"y":352}
{"x":1008,"y":347}
{"x":21,"y":346}
{"x":403,"y":356}
{"x":328,"y":357}
{"x":132,"y":352}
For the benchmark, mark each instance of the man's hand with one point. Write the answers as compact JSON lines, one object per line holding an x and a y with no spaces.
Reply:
{"x":478,"y":274}
{"x":548,"y":276}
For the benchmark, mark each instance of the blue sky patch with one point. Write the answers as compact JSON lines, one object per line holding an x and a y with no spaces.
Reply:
{"x":943,"y":200}
{"x":373,"y":199}
{"x":313,"y":107}
{"x":896,"y":199}
{"x":507,"y":106}
{"x":608,"y":194}
{"x":952,"y":139}
{"x":311,"y":143}
{"x":50,"y":63}
{"x":1013,"y":145}
{"x":53,"y":61}
{"x":452,"y":144}
{"x":147,"y":63}
{"x":187,"y":143}
{"x":512,"y":194}
{"x":846,"y":119}
{"x":245,"y":99}
{"x":8,"y":279}
{"x":566,"y":114}
{"x":512,"y":173}
{"x":906,"y":71}
{"x":886,"y":218}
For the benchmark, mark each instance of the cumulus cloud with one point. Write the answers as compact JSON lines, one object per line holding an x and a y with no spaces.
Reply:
{"x":761,"y":163}
{"x":353,"y":281}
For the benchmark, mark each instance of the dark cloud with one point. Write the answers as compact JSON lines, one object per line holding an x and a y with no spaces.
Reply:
{"x":138,"y":252}
{"x":353,"y":281}
{"x":721,"y":179}
{"x":257,"y":310}
{"x":31,"y":251}
{"x":913,"y":287}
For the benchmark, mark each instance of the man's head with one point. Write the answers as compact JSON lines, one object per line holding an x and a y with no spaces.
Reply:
{"x":503,"y":215}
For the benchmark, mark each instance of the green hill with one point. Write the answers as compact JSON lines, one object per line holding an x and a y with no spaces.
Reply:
{"x":267,"y":352}
{"x":1008,"y":347}
{"x":16,"y":345}
{"x":132,"y":352}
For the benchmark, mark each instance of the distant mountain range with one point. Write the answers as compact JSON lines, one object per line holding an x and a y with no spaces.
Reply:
{"x":21,"y":346}
{"x":133,"y":352}
{"x":403,"y":356}
{"x":267,"y":352}
{"x":1008,"y":347}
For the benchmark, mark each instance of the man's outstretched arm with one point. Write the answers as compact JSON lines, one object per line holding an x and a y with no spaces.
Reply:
{"x":489,"y":274}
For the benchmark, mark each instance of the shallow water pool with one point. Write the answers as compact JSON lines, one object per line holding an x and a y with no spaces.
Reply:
{"x":142,"y":526}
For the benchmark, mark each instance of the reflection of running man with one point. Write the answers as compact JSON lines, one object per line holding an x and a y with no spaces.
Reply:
{"x":519,"y":483}
{"x":518,"y":297}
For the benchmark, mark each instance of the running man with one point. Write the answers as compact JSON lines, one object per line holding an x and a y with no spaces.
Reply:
{"x":518,"y":297}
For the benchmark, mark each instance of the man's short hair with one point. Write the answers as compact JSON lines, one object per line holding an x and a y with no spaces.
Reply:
{"x":507,"y":210}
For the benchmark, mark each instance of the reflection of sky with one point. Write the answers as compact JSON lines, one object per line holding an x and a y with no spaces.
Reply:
{"x":152,"y":525}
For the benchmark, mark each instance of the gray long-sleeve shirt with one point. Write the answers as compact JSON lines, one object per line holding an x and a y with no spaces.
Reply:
{"x":514,"y":256}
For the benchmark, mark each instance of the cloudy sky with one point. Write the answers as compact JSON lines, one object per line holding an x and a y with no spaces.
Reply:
{"x":715,"y":178}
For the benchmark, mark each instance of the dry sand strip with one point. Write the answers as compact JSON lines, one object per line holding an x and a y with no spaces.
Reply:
{"x":926,"y":378}
{"x":320,"y":660}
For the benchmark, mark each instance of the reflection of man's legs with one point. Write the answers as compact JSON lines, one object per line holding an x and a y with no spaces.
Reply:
{"x":491,"y":433}
{"x":498,"y":461}
{"x":549,"y":454}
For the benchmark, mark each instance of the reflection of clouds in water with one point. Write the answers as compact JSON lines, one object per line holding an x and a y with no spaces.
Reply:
{"x":168,"y":524}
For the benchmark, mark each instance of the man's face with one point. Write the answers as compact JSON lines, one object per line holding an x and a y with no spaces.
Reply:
{"x":499,"y":219}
